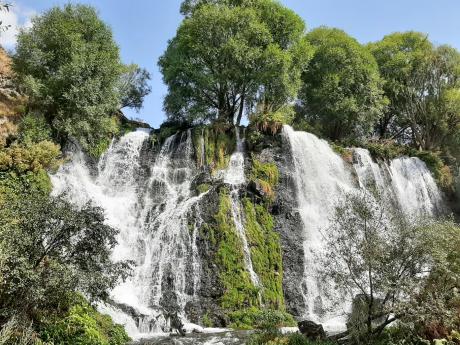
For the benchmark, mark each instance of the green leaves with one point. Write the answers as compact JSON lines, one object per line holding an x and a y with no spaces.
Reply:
{"x":50,"y":248}
{"x":342,"y":93}
{"x":69,"y":66}
{"x":231,"y":58}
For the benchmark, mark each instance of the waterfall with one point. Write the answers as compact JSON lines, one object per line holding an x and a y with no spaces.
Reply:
{"x":153,"y":222}
{"x":150,"y":199}
{"x":322,"y":178}
{"x":234,"y":176}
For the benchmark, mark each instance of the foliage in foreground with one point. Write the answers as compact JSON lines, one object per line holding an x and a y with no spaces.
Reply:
{"x":395,"y":269}
{"x":48,"y":250}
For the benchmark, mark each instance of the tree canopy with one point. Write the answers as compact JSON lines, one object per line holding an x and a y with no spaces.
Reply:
{"x":230,"y":58}
{"x":342,"y":94}
{"x":422,"y":84}
{"x":69,"y":66}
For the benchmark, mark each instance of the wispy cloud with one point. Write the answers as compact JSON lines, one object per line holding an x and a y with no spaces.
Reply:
{"x":17,"y":17}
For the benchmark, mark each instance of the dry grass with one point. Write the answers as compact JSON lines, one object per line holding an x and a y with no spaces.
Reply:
{"x":11,"y":105}
{"x":5,"y":63}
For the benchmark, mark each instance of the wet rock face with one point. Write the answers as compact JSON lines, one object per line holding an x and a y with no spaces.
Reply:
{"x":287,"y":221}
{"x":210,"y":288}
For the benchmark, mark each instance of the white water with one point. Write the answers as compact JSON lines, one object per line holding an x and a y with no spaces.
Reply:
{"x":152,"y":220}
{"x":322,"y":178}
{"x":158,"y":216}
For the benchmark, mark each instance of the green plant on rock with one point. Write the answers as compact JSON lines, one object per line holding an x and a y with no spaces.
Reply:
{"x":272,"y":122}
{"x":218,"y":147}
{"x":266,"y":253}
{"x":240,"y":292}
{"x":203,"y":188}
{"x":266,"y":175}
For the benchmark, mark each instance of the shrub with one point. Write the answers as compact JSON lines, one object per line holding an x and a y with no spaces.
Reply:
{"x":267,"y":176}
{"x":83,"y":325}
{"x":272,"y":123}
{"x":34,"y":129}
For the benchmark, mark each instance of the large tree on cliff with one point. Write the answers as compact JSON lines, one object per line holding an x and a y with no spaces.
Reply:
{"x":231,"y":57}
{"x":342,"y":93}
{"x":422,"y":84}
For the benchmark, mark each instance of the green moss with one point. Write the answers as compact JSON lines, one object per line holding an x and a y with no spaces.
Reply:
{"x":265,"y":253}
{"x":206,"y":321}
{"x":225,"y":146}
{"x":81,"y":324}
{"x":267,"y":176}
{"x":197,"y":138}
{"x":239,"y":292}
{"x":203,"y":188}
{"x":209,"y":146}
{"x":218,"y":147}
{"x":344,"y":152}
{"x":260,"y":319}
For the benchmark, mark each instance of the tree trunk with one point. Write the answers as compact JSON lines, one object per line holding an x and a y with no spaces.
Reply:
{"x":240,"y":111}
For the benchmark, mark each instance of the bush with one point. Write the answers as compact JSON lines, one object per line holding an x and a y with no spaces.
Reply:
{"x":34,"y":129}
{"x":32,"y":157}
{"x":83,"y":325}
{"x":272,"y":123}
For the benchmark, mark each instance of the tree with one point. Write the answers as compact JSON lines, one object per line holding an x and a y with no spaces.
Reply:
{"x":69,"y":66}
{"x":49,"y":249}
{"x":229,"y":57}
{"x":341,"y":95}
{"x":134,"y":86}
{"x":421,"y":83}
{"x":393,"y":267}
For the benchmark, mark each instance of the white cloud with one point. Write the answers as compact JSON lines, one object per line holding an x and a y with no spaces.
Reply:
{"x":17,"y":17}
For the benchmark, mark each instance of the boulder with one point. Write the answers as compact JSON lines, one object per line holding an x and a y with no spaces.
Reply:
{"x":311,"y":330}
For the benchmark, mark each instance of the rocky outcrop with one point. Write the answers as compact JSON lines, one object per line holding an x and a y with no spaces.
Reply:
{"x":311,"y":330}
{"x":287,"y":220}
{"x":11,"y":100}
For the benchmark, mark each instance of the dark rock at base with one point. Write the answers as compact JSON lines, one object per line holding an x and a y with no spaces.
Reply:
{"x":311,"y":330}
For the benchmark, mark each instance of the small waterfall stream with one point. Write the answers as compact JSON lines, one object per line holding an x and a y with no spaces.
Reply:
{"x":234,"y":176}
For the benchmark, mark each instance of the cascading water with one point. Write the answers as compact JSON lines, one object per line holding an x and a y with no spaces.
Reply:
{"x":234,"y":176}
{"x":152,"y":219}
{"x":322,"y":178}
{"x":159,"y":216}
{"x":406,"y":180}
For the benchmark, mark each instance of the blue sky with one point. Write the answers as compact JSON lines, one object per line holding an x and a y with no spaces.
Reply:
{"x":142,"y":27}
